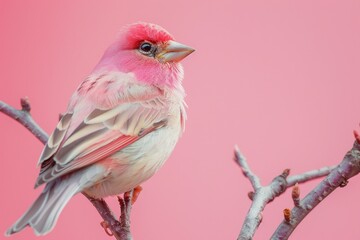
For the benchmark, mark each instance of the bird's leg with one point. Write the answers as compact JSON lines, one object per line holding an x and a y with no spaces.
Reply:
{"x":125,"y":210}
{"x":125,"y":206}
{"x":126,"y":203}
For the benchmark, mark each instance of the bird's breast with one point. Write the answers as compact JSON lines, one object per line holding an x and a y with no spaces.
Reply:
{"x":139,"y":161}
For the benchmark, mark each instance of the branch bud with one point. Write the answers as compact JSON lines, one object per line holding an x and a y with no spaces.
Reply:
{"x":287,"y":215}
{"x":25,"y":104}
{"x":357,"y":136}
{"x":286,"y":173}
{"x":295,"y":194}
{"x":251,"y":195}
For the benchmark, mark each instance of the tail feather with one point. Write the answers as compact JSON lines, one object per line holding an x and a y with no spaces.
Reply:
{"x":44,"y":212}
{"x":30,"y":214}
{"x":46,"y":219}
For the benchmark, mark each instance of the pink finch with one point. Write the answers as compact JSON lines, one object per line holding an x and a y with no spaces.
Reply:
{"x":121,"y":125}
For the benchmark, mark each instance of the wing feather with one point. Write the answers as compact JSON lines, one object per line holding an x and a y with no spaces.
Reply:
{"x":82,"y":132}
{"x":102,"y":132}
{"x":56,"y":138}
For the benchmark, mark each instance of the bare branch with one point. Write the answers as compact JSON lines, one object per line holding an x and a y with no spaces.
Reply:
{"x":23,"y":117}
{"x":241,"y":161}
{"x":349,"y":167}
{"x":107,"y":215}
{"x":310,"y":175}
{"x":265,"y":194}
{"x":261,"y":196}
{"x":120,"y":231}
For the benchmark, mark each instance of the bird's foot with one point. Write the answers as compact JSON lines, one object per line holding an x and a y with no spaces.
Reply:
{"x":135,"y":194}
{"x":125,"y":206}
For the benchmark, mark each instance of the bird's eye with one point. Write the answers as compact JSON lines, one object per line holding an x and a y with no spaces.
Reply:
{"x":145,"y":47}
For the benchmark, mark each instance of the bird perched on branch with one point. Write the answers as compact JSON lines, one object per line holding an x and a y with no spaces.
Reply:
{"x":121,"y":124}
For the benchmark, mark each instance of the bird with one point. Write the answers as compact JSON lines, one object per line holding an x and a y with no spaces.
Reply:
{"x":120,"y":126}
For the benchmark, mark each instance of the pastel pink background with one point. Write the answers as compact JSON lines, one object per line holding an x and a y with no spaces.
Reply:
{"x":279,"y":78}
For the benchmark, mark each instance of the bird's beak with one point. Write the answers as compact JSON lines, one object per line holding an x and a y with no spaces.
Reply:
{"x":173,"y":51}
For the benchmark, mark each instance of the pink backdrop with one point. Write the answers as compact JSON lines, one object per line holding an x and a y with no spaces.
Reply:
{"x":279,"y":78}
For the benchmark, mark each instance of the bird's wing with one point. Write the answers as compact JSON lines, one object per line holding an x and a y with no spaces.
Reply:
{"x":102,"y":132}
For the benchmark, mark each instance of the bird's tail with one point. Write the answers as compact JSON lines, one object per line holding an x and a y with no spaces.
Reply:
{"x":44,"y":212}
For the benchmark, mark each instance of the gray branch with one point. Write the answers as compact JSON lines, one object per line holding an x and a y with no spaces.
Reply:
{"x":338,"y":177}
{"x":119,"y":229}
{"x":241,"y":161}
{"x":310,"y":175}
{"x":23,"y":116}
{"x":262,"y":195}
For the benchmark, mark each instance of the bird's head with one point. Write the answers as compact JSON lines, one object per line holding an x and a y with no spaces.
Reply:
{"x":149,"y":52}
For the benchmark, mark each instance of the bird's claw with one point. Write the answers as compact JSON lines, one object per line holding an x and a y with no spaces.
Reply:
{"x":136,"y":192}
{"x":132,"y":195}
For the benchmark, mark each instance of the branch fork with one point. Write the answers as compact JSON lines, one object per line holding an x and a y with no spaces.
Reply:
{"x":338,"y":177}
{"x":262,"y":195}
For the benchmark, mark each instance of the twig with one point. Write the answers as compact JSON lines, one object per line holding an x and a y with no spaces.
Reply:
{"x":119,"y":229}
{"x":263,"y":195}
{"x":241,"y":161}
{"x":349,"y":167}
{"x":310,"y":175}
{"x":23,"y":117}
